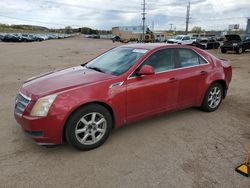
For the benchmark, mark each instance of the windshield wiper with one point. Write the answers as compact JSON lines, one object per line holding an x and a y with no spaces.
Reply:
{"x":95,"y":68}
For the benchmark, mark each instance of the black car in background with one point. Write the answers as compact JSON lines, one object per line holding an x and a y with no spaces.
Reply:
{"x":11,"y":38}
{"x":1,"y":36}
{"x":234,"y":42}
{"x":207,"y":43}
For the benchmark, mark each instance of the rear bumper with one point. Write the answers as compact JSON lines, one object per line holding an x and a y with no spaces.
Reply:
{"x":44,"y":130}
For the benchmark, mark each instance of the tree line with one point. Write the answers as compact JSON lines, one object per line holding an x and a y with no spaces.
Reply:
{"x":86,"y":31}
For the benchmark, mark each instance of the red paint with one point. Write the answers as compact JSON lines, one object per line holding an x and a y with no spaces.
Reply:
{"x":146,"y":70}
{"x":137,"y":98}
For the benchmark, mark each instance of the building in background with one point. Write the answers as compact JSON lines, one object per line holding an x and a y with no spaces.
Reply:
{"x":128,"y":32}
{"x":162,"y":36}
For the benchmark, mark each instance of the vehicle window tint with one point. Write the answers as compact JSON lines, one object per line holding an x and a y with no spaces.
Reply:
{"x":202,"y":61}
{"x":189,"y":58}
{"x":116,"y":61}
{"x":161,"y":60}
{"x":186,"y":38}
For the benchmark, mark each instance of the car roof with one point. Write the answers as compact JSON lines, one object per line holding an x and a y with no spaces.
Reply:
{"x":151,"y":46}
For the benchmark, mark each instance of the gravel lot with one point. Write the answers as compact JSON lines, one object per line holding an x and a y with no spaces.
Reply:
{"x":188,"y":148}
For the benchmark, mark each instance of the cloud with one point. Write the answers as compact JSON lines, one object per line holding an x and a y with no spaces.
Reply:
{"x":103,"y":14}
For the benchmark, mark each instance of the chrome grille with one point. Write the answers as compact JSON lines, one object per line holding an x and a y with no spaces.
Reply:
{"x":21,"y":103}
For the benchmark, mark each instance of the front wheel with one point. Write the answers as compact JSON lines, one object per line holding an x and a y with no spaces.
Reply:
{"x":223,"y":51}
{"x":239,"y":50}
{"x":213,"y":98}
{"x":88,"y":127}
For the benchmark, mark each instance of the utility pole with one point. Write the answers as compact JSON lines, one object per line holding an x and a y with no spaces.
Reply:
{"x":153,"y":26}
{"x":171,"y":25}
{"x":187,"y":17}
{"x":143,"y":19}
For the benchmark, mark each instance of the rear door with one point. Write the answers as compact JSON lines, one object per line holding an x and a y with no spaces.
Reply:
{"x":192,"y":73}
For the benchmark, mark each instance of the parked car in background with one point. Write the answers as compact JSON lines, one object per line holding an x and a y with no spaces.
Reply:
{"x":246,"y":43}
{"x":11,"y":38}
{"x":234,"y":42}
{"x":207,"y":43}
{"x":128,"y":83}
{"x":182,"y":39}
{"x":1,"y":36}
{"x":31,"y":37}
{"x":220,"y":38}
{"x":25,"y":37}
{"x":116,"y":39}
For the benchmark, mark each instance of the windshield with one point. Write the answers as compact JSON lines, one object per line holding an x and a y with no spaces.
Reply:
{"x":116,"y":61}
{"x":178,"y":38}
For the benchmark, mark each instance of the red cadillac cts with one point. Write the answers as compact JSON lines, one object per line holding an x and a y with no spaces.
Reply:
{"x":128,"y":83}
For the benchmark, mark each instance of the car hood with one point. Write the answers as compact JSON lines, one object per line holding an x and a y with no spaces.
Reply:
{"x":172,"y":40}
{"x":58,"y":81}
{"x":233,"y":37}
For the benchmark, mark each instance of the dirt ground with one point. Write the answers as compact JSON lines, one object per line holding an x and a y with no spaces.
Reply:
{"x":189,"y":148}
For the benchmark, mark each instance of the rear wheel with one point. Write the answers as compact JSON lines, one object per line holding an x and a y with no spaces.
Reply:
{"x":88,"y":127}
{"x":213,"y":98}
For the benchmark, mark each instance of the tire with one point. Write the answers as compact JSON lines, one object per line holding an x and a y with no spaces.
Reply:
{"x":223,"y":51}
{"x":239,"y":50}
{"x":212,"y":98}
{"x":88,"y":127}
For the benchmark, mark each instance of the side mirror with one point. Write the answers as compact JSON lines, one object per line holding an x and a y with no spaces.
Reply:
{"x":146,"y":70}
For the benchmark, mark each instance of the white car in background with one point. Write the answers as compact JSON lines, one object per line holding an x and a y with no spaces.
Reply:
{"x":182,"y":39}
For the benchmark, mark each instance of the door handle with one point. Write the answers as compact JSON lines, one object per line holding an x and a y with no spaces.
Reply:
{"x":173,"y":79}
{"x":203,"y":72}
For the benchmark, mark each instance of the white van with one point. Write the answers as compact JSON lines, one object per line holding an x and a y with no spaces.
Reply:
{"x":182,"y":39}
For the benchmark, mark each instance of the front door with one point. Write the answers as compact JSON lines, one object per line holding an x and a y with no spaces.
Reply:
{"x":151,"y":94}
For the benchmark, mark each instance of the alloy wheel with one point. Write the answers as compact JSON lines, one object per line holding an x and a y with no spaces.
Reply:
{"x":214,"y":97}
{"x":91,"y":128}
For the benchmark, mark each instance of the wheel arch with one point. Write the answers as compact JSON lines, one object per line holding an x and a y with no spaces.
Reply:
{"x":223,"y":84}
{"x":105,"y":105}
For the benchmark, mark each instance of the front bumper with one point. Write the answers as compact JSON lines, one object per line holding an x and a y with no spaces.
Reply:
{"x":44,"y":130}
{"x":230,"y":48}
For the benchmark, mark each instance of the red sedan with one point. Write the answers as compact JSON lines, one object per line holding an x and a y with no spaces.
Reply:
{"x":84,"y":103}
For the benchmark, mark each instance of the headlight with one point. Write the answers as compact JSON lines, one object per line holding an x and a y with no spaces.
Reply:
{"x":42,"y":106}
{"x":235,"y":44}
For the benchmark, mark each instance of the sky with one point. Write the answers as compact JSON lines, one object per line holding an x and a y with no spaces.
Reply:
{"x":105,"y":14}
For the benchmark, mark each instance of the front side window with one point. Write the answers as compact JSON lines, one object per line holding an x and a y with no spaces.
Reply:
{"x":188,"y":58}
{"x":178,"y":38}
{"x":186,"y":38}
{"x":161,"y":60}
{"x":116,"y":61}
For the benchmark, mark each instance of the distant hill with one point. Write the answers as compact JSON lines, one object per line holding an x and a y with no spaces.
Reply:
{"x":4,"y":28}
{"x":25,"y":28}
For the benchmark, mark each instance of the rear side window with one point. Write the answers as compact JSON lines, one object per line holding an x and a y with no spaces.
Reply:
{"x":161,"y":60}
{"x":188,"y":58}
